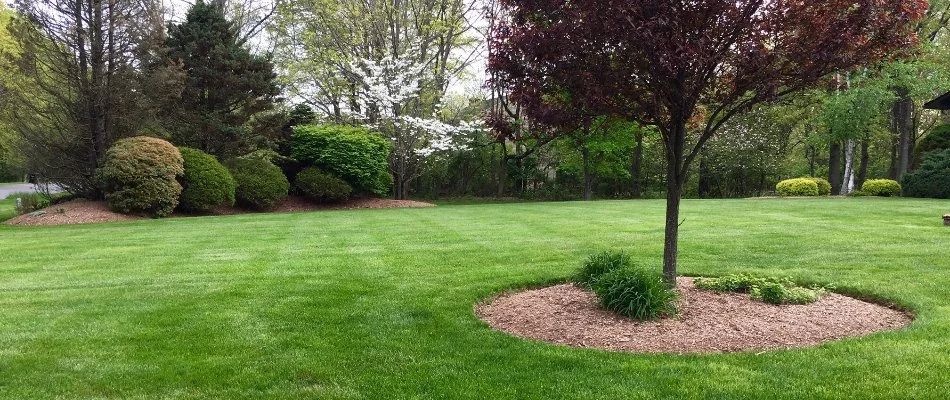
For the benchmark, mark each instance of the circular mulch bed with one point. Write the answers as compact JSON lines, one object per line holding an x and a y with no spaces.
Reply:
{"x":86,"y":212}
{"x":707,"y":322}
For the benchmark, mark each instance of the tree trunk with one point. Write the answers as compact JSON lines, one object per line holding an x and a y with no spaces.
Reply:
{"x":892,"y":171}
{"x":636,"y":189}
{"x":834,"y":167}
{"x":588,"y":177}
{"x":863,"y":169}
{"x":812,"y":152}
{"x":903,"y":122}
{"x":847,"y":185}
{"x":503,"y":170}
{"x":703,"y":178}
{"x":674,"y":190}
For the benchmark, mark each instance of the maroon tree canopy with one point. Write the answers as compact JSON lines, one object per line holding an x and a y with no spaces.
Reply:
{"x":659,"y":62}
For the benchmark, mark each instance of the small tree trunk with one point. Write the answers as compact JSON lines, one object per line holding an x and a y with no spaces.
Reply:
{"x":863,"y":169}
{"x":834,"y":167}
{"x":704,"y":184}
{"x":588,"y":178}
{"x":847,"y":185}
{"x":503,"y":170}
{"x":636,"y":188}
{"x":811,"y":160}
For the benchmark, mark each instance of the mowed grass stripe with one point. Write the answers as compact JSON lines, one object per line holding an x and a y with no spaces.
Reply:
{"x":378,"y":303}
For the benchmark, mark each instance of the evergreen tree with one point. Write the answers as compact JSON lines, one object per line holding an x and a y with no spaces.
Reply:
{"x":225,"y":87}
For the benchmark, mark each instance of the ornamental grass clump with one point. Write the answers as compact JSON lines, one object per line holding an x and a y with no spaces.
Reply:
{"x":599,"y":264}
{"x":635,"y":293}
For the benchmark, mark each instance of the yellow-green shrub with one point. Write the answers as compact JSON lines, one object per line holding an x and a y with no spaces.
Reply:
{"x":824,"y":187}
{"x":797,"y":187}
{"x":881,"y":187}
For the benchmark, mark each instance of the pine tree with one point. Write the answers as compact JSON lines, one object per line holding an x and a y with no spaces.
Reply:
{"x":225,"y":87}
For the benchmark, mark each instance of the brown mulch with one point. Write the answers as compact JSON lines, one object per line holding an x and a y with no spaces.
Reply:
{"x":707,"y":322}
{"x":86,"y":212}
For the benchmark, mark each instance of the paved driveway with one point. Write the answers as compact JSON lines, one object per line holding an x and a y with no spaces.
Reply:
{"x":6,"y":190}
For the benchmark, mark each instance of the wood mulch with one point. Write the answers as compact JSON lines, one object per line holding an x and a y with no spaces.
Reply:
{"x":86,"y":212}
{"x":707,"y":322}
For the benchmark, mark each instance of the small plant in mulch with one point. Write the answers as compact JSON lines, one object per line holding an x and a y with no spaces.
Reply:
{"x":770,"y":290}
{"x":626,"y":289}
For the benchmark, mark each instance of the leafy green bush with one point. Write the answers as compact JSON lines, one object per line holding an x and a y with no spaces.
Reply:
{"x":881,"y":187}
{"x":138,"y":176}
{"x":797,"y":187}
{"x":776,"y":293}
{"x":322,"y":186}
{"x":599,"y":264}
{"x":767,"y":289}
{"x":931,"y":179}
{"x":937,"y":139}
{"x":27,"y":202}
{"x":206,"y":183}
{"x":739,"y":283}
{"x":635,"y":293}
{"x":824,"y":187}
{"x":352,"y":153}
{"x":259,"y":183}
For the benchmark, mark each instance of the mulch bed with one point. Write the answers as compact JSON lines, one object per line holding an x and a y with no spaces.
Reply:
{"x":85,"y":212}
{"x":707,"y":322}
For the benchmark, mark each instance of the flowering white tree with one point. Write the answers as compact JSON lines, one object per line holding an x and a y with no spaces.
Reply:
{"x":388,"y":98}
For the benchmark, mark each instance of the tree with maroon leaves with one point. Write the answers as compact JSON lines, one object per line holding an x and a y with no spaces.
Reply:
{"x":684,"y":66}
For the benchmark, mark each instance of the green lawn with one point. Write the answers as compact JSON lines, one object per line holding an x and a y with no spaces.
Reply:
{"x":377,"y":304}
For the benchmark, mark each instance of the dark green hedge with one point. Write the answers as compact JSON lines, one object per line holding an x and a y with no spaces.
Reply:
{"x":260,"y":183}
{"x":206,"y":184}
{"x":931,"y":179}
{"x":322,"y":186}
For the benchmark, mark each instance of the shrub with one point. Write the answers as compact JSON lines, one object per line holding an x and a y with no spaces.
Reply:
{"x":767,"y":289}
{"x":931,"y":179}
{"x":881,"y":187}
{"x":259,"y":183}
{"x":599,"y":264}
{"x":635,"y":293}
{"x":352,"y":153}
{"x":27,"y":202}
{"x":138,"y":176}
{"x":206,"y":183}
{"x":776,"y":293}
{"x":797,"y":187}
{"x":322,"y":186}
{"x":824,"y":187}
{"x":739,"y":283}
{"x":937,"y":139}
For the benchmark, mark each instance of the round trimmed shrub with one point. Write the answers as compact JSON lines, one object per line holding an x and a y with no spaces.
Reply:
{"x":321,"y":186}
{"x":259,"y":183}
{"x":824,"y":187}
{"x":881,"y":187}
{"x":206,"y":183}
{"x":138,"y":176}
{"x":931,"y":179}
{"x":635,"y":293}
{"x":798,"y":187}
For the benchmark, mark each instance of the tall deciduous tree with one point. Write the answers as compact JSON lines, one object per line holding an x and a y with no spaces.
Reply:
{"x":80,"y":86}
{"x":225,"y":86}
{"x":657,"y":61}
